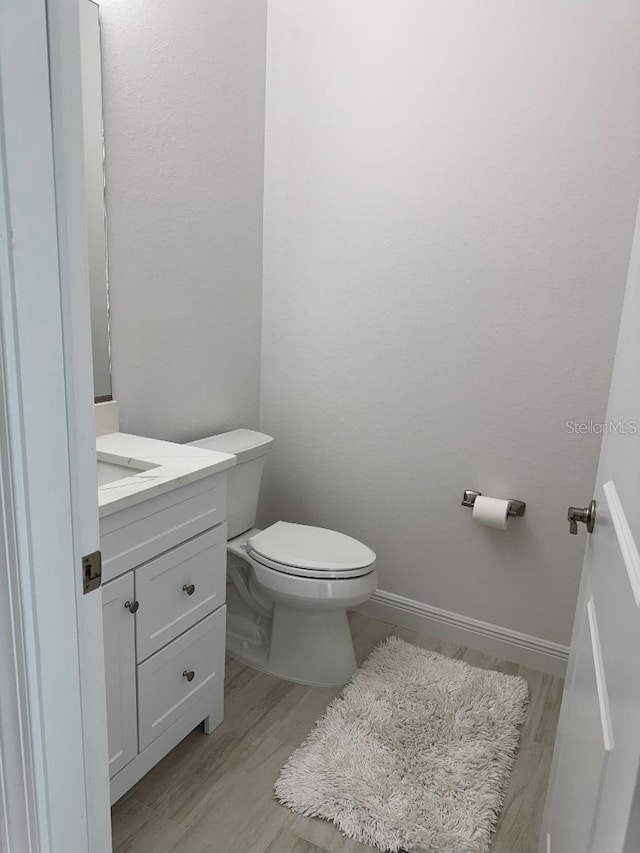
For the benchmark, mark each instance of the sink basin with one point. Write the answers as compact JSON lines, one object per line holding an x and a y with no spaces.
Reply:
{"x":131,"y":469}
{"x":109,"y":472}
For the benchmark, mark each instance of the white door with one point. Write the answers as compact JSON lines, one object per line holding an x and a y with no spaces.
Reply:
{"x":592,"y":802}
{"x":54,"y":789}
{"x":120,"y":671}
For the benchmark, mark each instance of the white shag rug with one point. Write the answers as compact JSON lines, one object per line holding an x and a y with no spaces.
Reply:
{"x":415,"y":754}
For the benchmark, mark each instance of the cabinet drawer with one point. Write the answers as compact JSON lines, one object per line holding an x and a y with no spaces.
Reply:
{"x":164,"y":692}
{"x":166,"y":608}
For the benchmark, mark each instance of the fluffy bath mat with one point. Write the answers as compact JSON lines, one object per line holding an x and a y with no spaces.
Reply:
{"x":415,"y":754}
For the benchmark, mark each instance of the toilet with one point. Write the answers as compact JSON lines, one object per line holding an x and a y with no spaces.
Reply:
{"x":289,"y":585}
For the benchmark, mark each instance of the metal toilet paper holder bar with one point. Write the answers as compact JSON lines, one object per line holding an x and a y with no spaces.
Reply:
{"x":514,"y":509}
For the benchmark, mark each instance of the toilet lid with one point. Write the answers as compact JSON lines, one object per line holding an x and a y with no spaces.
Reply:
{"x":311,"y":551}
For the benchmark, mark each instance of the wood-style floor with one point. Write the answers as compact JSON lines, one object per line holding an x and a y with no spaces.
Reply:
{"x":213,"y":794}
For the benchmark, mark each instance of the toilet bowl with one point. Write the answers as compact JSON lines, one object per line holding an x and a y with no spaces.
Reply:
{"x":289,"y":585}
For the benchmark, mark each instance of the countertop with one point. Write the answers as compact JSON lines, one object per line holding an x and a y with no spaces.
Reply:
{"x":169,"y":466}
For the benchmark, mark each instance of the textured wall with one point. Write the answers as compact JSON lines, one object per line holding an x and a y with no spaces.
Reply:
{"x":184,"y":137}
{"x":449,"y":200}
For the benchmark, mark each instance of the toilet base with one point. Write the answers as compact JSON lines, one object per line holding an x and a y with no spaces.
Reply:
{"x":311,"y":647}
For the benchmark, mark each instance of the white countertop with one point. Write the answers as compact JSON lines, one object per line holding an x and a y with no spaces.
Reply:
{"x":169,"y":466}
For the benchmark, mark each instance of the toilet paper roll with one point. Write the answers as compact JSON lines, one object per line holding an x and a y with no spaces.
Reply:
{"x":491,"y":512}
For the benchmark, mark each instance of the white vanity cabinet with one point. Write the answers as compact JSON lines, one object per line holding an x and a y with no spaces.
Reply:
{"x":164,"y":580}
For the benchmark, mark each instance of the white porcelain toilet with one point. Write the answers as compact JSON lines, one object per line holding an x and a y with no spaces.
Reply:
{"x":288,"y":586}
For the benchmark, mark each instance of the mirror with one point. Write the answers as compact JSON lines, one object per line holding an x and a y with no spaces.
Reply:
{"x":95,"y":197}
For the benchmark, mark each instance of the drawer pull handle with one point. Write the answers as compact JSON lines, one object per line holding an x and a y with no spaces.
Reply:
{"x":189,"y":588}
{"x":132,"y":606}
{"x":189,"y":674}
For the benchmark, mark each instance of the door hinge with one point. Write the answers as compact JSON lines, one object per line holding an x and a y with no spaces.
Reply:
{"x":91,"y":571}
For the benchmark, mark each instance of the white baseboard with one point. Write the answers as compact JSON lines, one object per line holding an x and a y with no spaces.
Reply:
{"x":491,"y":639}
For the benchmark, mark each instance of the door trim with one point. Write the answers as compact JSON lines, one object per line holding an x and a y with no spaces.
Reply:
{"x":63,"y":26}
{"x":601,"y":680}
{"x":18,"y":772}
{"x":626,"y":541}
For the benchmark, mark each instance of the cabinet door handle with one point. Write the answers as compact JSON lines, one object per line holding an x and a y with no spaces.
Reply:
{"x":132,"y":606}
{"x":189,"y":588}
{"x":189,"y":674}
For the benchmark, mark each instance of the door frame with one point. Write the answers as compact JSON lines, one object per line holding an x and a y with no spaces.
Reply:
{"x":54,"y":793}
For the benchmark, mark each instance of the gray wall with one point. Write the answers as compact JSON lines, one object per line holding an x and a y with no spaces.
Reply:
{"x":449,"y":199}
{"x":184,"y":137}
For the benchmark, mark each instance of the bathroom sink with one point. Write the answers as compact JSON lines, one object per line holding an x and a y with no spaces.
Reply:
{"x":110,"y":472}
{"x":132,"y":469}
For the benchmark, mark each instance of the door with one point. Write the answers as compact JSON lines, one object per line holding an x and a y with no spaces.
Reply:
{"x":54,"y":787}
{"x":120,"y":671}
{"x":591,"y":804}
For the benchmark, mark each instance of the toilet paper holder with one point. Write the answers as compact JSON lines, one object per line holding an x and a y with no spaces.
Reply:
{"x":515,"y":508}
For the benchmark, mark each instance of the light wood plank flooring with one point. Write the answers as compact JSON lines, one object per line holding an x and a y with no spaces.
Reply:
{"x":214,"y":794}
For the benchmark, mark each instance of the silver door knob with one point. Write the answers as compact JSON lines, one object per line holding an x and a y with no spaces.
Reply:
{"x":188,"y":674}
{"x":584,"y":515}
{"x":132,"y":606}
{"x":189,"y":588}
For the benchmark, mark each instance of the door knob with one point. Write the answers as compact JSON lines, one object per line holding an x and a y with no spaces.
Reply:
{"x":188,"y":674}
{"x":189,"y":588}
{"x":586,"y":515}
{"x":132,"y":606}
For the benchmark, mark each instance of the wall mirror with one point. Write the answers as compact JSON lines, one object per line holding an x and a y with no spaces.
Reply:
{"x":95,"y":196}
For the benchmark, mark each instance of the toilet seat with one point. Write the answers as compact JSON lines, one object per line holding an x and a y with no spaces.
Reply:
{"x":312,"y":552}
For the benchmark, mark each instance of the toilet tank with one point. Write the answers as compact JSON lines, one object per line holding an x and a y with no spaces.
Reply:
{"x":243,"y":480}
